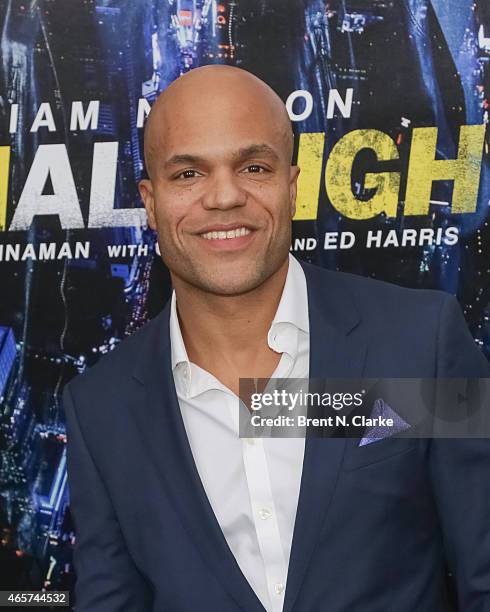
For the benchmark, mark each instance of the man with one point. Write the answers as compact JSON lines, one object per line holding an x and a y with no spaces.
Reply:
{"x":173,"y":510}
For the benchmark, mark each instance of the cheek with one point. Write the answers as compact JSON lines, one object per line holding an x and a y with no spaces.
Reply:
{"x":171,"y":212}
{"x":269,"y":195}
{"x":278,"y":206}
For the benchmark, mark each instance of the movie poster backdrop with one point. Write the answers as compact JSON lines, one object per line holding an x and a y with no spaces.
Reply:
{"x":390,"y":104}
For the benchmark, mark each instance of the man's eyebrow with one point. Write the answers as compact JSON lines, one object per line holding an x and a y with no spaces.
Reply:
{"x":256,"y":149}
{"x":183,"y":158}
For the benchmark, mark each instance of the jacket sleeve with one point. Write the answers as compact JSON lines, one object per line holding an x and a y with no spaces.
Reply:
{"x":107,"y":579}
{"x":460,"y":471}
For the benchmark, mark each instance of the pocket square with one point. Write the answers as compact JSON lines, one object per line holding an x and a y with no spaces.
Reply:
{"x":382,"y":411}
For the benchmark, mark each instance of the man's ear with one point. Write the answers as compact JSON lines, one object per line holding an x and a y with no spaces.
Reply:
{"x":146,"y":192}
{"x":293,"y":188}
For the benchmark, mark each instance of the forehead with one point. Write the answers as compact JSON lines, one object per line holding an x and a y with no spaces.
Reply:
{"x":212,"y":124}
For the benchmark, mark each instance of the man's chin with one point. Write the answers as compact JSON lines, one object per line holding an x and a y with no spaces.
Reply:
{"x":230,"y":277}
{"x":231,"y":280}
{"x":230,"y":287}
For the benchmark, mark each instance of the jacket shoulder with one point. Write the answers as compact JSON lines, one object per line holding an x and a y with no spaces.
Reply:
{"x":376,"y":298}
{"x":115,"y":367}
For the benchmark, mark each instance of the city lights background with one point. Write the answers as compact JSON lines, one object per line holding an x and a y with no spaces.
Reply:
{"x":410,"y":62}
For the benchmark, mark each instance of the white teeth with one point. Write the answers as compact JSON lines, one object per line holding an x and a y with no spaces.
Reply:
{"x":235,"y":233}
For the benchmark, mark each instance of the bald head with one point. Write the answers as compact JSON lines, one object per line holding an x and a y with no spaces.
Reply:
{"x":220,"y":90}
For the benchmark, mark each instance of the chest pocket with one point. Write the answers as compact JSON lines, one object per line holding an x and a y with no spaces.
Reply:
{"x":356,"y":456}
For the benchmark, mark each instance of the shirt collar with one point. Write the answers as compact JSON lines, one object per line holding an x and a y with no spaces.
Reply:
{"x":293,"y":305}
{"x":179,"y":353}
{"x":292,"y":313}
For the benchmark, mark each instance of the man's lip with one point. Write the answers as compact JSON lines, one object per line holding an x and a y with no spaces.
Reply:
{"x":224,"y":228}
{"x":227,"y":245}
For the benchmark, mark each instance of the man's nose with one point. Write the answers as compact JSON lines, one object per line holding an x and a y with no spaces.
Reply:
{"x":224,"y":191}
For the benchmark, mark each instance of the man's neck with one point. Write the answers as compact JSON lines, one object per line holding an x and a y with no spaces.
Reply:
{"x":227,"y":335}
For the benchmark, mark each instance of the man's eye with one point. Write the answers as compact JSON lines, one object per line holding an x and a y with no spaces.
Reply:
{"x":187,"y":174}
{"x":255,"y":168}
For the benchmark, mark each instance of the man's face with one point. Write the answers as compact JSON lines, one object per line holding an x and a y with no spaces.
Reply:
{"x":223,"y":192}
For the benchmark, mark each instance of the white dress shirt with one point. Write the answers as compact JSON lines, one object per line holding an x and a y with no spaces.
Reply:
{"x":252,"y":483}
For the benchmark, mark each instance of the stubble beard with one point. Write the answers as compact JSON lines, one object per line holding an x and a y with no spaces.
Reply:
{"x":247,"y":277}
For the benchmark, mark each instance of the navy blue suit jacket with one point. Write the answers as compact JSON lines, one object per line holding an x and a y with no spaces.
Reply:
{"x":375,"y":524}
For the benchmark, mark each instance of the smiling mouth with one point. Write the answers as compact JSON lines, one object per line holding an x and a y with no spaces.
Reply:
{"x":226,"y":235}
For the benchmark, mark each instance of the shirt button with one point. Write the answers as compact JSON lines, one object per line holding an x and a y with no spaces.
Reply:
{"x":279,"y":588}
{"x":185,"y":373}
{"x":265,"y":513}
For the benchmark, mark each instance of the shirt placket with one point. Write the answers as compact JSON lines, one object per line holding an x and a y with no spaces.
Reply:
{"x":264,"y":515}
{"x":265,"y":519}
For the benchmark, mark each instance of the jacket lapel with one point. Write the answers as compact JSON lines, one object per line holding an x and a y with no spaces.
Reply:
{"x":336,"y":351}
{"x":159,"y":419}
